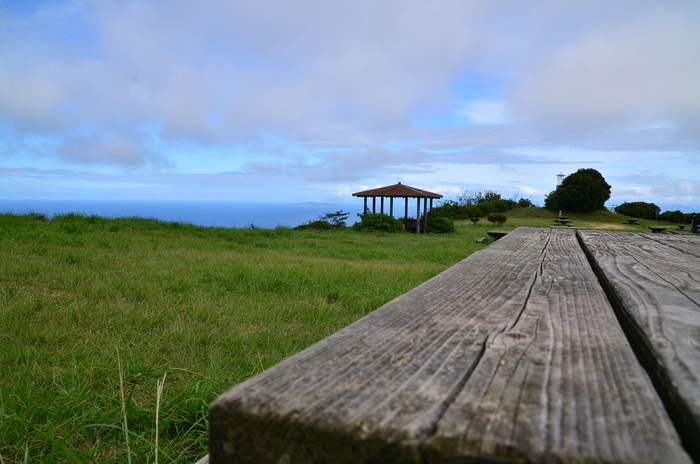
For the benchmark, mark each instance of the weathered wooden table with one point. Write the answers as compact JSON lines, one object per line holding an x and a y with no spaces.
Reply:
{"x":513,"y":355}
{"x":657,"y":229}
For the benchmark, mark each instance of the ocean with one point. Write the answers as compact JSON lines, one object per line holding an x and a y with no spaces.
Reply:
{"x":265,"y":215}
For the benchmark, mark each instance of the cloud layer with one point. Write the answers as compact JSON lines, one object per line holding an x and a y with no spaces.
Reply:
{"x":343,"y":91}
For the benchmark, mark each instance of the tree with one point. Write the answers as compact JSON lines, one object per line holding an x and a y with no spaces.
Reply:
{"x":337,"y":219}
{"x":584,"y":190}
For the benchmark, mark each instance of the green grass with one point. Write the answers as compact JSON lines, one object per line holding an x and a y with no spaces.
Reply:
{"x":204,"y":307}
{"x":97,"y":316}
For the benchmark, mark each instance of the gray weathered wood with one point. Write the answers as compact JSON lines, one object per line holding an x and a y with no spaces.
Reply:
{"x":688,"y":244}
{"x":561,"y":384}
{"x":375,"y":390}
{"x":656,"y":285}
{"x":510,"y":325}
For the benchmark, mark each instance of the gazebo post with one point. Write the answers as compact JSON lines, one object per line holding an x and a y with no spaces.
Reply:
{"x":365,"y":210}
{"x":391,"y":206}
{"x":374,"y":205}
{"x":418,"y":215}
{"x":425,"y":214}
{"x":382,"y":203}
{"x":405,"y":216}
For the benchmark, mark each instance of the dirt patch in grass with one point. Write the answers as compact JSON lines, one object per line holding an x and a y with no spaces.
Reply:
{"x":607,"y":227}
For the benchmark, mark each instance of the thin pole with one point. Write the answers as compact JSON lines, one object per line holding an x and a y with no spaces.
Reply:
{"x":405,"y":216}
{"x":425,"y":213}
{"x":418,"y":215}
{"x":391,"y":206}
{"x":365,"y":210}
{"x":374,"y":205}
{"x":382,"y":205}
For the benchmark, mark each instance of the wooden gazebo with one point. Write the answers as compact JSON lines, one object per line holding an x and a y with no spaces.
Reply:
{"x":401,"y":191}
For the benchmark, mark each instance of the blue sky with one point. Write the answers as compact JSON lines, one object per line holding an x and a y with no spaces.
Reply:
{"x":307,"y":100}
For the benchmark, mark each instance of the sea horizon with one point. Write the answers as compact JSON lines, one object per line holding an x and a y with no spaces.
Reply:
{"x":231,"y":214}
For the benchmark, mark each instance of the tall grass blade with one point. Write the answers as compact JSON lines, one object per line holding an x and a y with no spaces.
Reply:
{"x":159,"y":395}
{"x":121,"y":394}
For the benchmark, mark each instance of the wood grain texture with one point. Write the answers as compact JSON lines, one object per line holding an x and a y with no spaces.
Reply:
{"x":688,"y":244}
{"x":655,"y":282}
{"x":561,"y":384}
{"x":508,"y":327}
{"x":374,"y":390}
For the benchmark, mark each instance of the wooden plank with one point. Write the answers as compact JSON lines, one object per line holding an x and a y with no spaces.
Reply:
{"x":688,"y":244}
{"x":655,"y":284}
{"x":568,"y":387}
{"x":374,"y":391}
{"x":559,"y":385}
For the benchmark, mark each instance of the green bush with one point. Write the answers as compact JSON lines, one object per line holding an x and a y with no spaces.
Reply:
{"x":455,"y":211}
{"x":379,"y":222}
{"x":327,"y":221}
{"x":316,"y":225}
{"x":638,"y":209}
{"x":497,"y":218}
{"x":676,"y":216}
{"x":525,"y":203}
{"x":440,"y":225}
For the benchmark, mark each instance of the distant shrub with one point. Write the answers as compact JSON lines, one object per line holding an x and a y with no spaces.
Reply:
{"x":474,"y":220}
{"x":337,"y":219}
{"x":328,"y":221}
{"x":638,"y":209}
{"x":379,"y":222}
{"x":453,"y":210}
{"x":440,"y":225}
{"x":676,"y":216}
{"x":525,"y":203}
{"x":497,"y":218}
{"x":316,"y":225}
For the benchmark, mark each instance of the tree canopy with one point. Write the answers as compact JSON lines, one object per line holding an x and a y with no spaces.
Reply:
{"x":584,"y":190}
{"x":638,"y":209}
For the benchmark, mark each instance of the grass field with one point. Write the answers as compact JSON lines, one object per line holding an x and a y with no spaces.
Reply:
{"x":96,"y":314}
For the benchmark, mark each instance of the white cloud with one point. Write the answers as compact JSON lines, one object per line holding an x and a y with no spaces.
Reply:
{"x":339,"y":86}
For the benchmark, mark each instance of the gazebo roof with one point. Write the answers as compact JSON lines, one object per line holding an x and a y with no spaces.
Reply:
{"x":397,"y":190}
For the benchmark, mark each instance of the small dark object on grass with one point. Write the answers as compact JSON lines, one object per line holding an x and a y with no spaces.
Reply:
{"x":497,"y":218}
{"x":474,"y":220}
